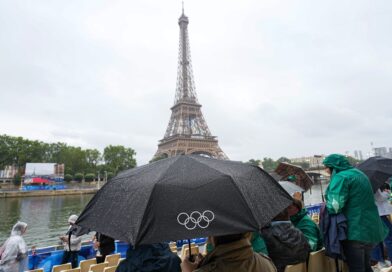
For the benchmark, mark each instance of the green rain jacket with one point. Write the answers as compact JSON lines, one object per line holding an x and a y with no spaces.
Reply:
{"x":304,"y":223}
{"x":258,"y":243}
{"x":350,"y":193}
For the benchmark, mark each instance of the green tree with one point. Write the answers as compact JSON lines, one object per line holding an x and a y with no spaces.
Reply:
{"x":110,"y":175}
{"x":269,"y":164}
{"x":18,"y":151}
{"x":353,"y":161}
{"x":254,"y":162}
{"x":89,"y":177}
{"x":118,"y":158}
{"x":74,"y":159}
{"x":283,"y":159}
{"x":68,"y":177}
{"x":17,"y":180}
{"x":157,"y":158}
{"x":79,"y":177}
{"x":93,"y":157}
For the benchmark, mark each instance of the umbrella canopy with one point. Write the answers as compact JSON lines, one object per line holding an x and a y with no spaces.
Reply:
{"x":184,"y":197}
{"x":295,"y":173}
{"x":378,"y":169}
{"x":290,"y":187}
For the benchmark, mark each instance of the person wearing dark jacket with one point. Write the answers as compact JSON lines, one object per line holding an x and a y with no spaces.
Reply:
{"x":104,"y":245}
{"x":150,"y":258}
{"x":285,"y":243}
{"x":334,"y":230}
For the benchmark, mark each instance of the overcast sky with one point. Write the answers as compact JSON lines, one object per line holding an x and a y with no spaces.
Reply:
{"x":275,"y":78}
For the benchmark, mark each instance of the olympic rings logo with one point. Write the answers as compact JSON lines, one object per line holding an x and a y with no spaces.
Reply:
{"x":195,"y":219}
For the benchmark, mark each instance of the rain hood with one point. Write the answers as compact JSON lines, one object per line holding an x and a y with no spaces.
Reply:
{"x":337,"y":162}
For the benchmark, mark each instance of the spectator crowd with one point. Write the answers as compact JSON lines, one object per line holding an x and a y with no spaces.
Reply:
{"x":354,"y":227}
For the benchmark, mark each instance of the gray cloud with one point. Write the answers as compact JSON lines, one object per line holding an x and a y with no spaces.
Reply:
{"x":275,"y":77}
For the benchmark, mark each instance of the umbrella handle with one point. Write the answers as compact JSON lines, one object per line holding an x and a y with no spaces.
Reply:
{"x":190,"y":258}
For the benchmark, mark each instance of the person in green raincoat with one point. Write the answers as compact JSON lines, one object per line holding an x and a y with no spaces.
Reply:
{"x":301,"y":220}
{"x":350,"y":193}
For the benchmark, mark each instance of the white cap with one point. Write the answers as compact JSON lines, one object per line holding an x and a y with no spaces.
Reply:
{"x":72,"y":219}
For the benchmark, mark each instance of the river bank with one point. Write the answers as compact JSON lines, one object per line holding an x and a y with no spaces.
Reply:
{"x":65,"y":192}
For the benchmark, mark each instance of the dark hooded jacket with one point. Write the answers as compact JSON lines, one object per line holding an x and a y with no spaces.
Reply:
{"x":107,"y":245}
{"x":150,"y":258}
{"x":285,"y":243}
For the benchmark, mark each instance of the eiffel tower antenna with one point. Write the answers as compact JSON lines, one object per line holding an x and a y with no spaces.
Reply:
{"x":187,"y":131}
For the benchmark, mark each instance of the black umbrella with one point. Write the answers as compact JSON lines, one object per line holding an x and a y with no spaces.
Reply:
{"x":378,"y":169}
{"x":184,"y":197}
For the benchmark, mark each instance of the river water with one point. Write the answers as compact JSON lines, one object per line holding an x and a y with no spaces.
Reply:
{"x":313,"y":196}
{"x":47,"y":216}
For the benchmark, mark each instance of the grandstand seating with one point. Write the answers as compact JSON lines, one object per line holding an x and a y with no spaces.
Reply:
{"x":110,"y":269}
{"x":113,"y":259}
{"x":318,"y":262}
{"x":185,"y":250}
{"x":72,"y":270}
{"x":98,"y":267}
{"x":173,"y":247}
{"x":85,"y":264}
{"x":61,"y":267}
{"x":301,"y":267}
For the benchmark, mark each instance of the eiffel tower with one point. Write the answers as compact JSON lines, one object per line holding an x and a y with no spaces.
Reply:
{"x":187,"y":132}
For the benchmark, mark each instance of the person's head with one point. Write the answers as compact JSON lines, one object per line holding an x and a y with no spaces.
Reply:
{"x":385,"y":186}
{"x":19,"y":228}
{"x":295,"y":207}
{"x":337,"y":163}
{"x":226,"y":239}
{"x":282,"y":216}
{"x":72,"y":219}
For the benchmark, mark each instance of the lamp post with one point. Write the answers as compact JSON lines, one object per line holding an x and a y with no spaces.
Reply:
{"x":99,"y":179}
{"x":308,"y":161}
{"x":318,"y":157}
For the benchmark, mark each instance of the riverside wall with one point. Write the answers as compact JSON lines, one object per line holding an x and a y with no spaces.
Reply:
{"x":9,"y":194}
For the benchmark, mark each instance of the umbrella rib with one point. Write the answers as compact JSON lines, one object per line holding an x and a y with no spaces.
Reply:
{"x":240,"y":191}
{"x":137,"y":238}
{"x":244,"y":199}
{"x":160,"y":177}
{"x":249,"y":204}
{"x":210,"y":166}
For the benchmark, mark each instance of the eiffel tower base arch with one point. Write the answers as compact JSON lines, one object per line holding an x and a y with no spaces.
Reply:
{"x":185,"y":145}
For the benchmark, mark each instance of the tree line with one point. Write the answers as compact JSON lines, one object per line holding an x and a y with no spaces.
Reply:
{"x":270,"y":164}
{"x":79,"y":163}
